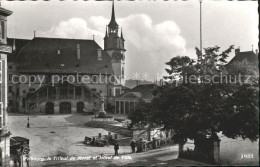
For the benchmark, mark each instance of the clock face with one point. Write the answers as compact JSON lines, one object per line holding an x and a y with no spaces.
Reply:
{"x":116,"y":56}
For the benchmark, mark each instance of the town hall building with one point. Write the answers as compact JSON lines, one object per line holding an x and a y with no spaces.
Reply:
{"x":58,"y":75}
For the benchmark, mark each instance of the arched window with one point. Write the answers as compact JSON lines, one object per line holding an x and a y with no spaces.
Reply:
{"x":123,"y":72}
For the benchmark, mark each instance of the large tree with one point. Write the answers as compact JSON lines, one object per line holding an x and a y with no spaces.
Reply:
{"x":202,"y":98}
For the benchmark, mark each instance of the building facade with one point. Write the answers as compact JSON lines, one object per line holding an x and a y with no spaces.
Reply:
{"x":4,"y":50}
{"x":55,"y":75}
{"x":247,"y":61}
{"x":125,"y":103}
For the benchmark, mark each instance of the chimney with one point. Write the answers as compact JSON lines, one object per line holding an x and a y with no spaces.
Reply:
{"x":78,"y":51}
{"x":237,"y":50}
{"x":58,"y":50}
{"x":14,"y":47}
{"x":99,"y":54}
{"x":256,"y":51}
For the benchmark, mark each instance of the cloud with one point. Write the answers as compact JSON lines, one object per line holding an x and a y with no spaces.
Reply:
{"x":72,"y":28}
{"x":148,"y":45}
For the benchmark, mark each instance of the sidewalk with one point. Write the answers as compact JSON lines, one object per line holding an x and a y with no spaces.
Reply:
{"x":164,"y":156}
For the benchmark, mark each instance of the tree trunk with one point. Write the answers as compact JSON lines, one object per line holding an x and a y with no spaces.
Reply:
{"x":181,"y":148}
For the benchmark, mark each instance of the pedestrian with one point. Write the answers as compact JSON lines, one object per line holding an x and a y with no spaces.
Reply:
{"x":116,"y":148}
{"x":133,"y":145}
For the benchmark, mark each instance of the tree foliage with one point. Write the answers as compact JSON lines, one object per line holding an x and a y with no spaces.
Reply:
{"x":203,"y":105}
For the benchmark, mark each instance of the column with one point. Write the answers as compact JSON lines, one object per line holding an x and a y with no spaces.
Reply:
{"x":68,"y":92}
{"x":115,"y":107}
{"x":37,"y":99}
{"x":47,"y":92}
{"x":129,"y":107}
{"x":82,"y":93}
{"x":57,"y":93}
{"x":74,"y":92}
{"x":119,"y":107}
{"x":124,"y":107}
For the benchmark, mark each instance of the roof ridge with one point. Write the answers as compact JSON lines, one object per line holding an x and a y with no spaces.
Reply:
{"x":64,"y":38}
{"x":19,"y":39}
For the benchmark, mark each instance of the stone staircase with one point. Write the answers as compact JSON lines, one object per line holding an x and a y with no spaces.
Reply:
{"x":41,"y":96}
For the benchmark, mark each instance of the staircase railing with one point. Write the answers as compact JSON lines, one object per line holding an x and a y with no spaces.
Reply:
{"x":43,"y":97}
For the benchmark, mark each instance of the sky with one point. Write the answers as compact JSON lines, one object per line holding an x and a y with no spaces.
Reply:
{"x":154,"y":31}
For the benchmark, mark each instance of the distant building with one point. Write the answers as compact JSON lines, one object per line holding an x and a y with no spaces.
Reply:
{"x":71,"y":74}
{"x":248,"y":59}
{"x":126,"y":102}
{"x":131,"y":83}
{"x":4,"y":50}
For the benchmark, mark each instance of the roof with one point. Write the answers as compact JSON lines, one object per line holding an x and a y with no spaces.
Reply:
{"x":41,"y":56}
{"x":19,"y":44}
{"x":17,"y":139}
{"x":141,"y":91}
{"x":240,"y":56}
{"x":5,"y":12}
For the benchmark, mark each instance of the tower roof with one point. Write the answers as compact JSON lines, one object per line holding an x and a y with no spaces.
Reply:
{"x":113,"y":24}
{"x":122,"y":37}
{"x":106,"y":33}
{"x":5,"y":12}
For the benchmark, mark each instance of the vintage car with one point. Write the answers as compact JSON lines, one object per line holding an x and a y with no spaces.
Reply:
{"x":92,"y":141}
{"x":18,"y":142}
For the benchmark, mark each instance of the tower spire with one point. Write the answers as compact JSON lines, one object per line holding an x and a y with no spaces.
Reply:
{"x":113,"y":24}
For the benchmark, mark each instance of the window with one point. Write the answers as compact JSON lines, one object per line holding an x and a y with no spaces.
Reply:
{"x":2,"y":29}
{"x":32,"y":78}
{"x":10,"y":67}
{"x":10,"y":89}
{"x":1,"y":104}
{"x":17,"y":91}
{"x":117,"y":91}
{"x":10,"y":103}
{"x":79,"y":79}
{"x":94,"y":79}
{"x":10,"y":77}
{"x":99,"y":56}
{"x":23,"y":102}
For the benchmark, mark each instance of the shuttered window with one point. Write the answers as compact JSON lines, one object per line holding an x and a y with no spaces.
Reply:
{"x":2,"y":29}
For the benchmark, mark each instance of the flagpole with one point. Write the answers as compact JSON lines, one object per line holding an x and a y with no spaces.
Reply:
{"x":200,"y":29}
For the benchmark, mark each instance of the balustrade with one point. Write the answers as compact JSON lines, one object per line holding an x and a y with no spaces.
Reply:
{"x":52,"y":93}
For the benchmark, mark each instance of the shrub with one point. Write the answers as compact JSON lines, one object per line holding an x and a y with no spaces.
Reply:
{"x":103,"y":115}
{"x":197,"y":156}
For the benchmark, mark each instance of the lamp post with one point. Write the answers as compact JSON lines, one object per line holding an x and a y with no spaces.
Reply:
{"x":28,"y":123}
{"x":28,"y":120}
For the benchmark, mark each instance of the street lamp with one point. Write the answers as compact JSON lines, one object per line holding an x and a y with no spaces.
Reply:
{"x":28,"y":120}
{"x":28,"y":123}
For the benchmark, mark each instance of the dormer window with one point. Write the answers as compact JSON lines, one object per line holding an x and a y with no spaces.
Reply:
{"x":99,"y":54}
{"x":78,"y":51}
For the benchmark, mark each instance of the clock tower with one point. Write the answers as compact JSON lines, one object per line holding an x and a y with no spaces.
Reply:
{"x":114,"y":47}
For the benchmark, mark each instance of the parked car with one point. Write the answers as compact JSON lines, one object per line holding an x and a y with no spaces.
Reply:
{"x":18,"y":142}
